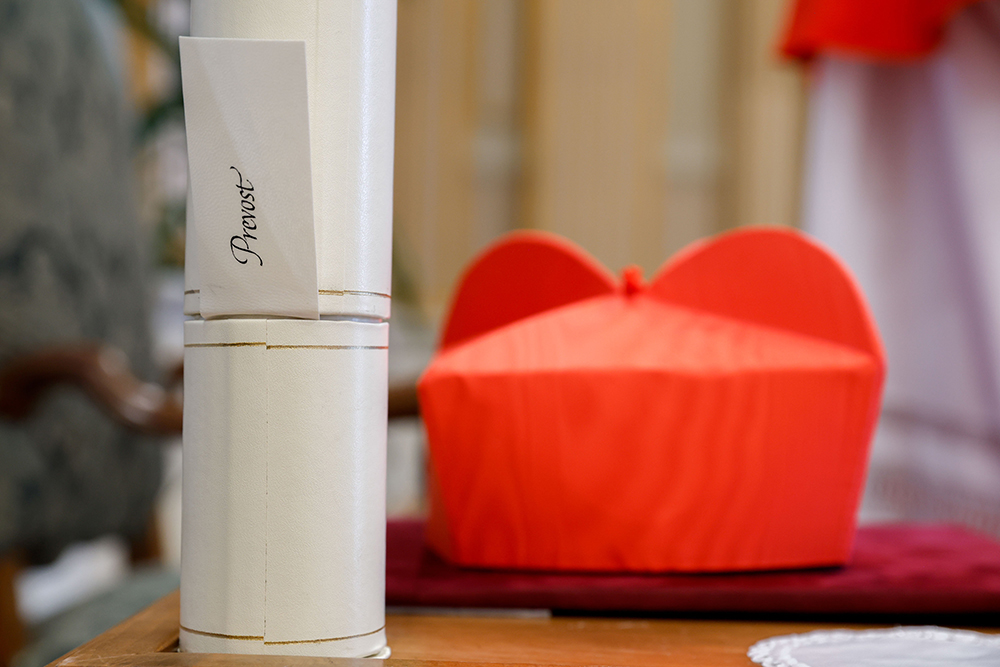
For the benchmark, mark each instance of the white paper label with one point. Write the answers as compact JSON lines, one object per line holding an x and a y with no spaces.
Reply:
{"x":246,"y":108}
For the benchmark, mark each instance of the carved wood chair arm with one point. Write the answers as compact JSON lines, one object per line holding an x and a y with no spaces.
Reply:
{"x":103,"y":373}
{"x":99,"y":370}
{"x":403,"y":400}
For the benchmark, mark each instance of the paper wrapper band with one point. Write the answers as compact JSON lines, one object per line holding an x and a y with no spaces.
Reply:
{"x":283,"y":544}
{"x":351,"y":64}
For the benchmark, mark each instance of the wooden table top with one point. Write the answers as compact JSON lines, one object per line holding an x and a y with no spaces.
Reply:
{"x":436,"y":639}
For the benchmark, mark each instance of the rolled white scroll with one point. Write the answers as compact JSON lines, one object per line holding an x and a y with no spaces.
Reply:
{"x":350,"y":60}
{"x":283,"y":544}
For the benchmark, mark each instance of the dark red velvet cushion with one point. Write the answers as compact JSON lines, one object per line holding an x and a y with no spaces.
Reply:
{"x":895,"y":571}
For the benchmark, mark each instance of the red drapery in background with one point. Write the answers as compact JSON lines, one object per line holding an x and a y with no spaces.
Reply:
{"x":878,"y":29}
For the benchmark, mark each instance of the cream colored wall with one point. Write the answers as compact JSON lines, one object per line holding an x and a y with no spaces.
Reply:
{"x":630,"y":126}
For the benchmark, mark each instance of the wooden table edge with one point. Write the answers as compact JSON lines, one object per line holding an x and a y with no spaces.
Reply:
{"x":150,"y":639}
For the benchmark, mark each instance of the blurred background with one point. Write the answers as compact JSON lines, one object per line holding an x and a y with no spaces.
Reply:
{"x":632,"y":127}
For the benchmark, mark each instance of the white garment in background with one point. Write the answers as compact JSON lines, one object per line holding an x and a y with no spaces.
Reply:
{"x":903,"y":182}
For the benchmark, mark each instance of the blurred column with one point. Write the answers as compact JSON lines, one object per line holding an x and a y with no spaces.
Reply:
{"x":701,"y":89}
{"x":767,"y":119}
{"x":497,"y":141}
{"x":596,"y":81}
{"x":456,"y":138}
{"x":435,"y":125}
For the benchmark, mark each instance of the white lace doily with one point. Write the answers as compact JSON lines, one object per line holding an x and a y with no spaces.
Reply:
{"x":897,"y":647}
